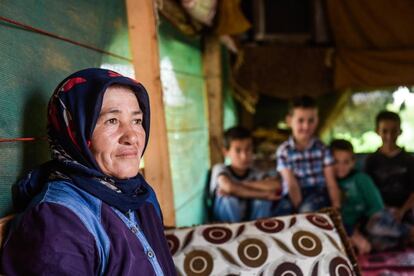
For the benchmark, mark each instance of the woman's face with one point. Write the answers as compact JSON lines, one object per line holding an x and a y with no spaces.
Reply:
{"x":119,"y":137}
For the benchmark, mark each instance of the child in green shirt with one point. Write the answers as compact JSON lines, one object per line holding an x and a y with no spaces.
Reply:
{"x":367,"y":222}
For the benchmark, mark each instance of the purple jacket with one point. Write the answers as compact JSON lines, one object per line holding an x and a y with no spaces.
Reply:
{"x":55,"y":237}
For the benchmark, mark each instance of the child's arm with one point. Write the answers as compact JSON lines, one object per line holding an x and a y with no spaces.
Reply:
{"x":360,"y":242}
{"x":228,"y":187}
{"x":408,"y":204}
{"x":293,"y":187}
{"x":332,"y":186}
{"x":267,"y":184}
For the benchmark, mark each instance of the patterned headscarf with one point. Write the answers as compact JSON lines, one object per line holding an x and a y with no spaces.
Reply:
{"x":73,"y":111}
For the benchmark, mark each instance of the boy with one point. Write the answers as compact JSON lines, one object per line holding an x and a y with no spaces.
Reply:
{"x":362,"y":206}
{"x":305,"y":163}
{"x":241,"y":191}
{"x":392,"y":168}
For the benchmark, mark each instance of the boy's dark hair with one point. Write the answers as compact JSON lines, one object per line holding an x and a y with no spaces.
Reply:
{"x":235,"y":133}
{"x":341,"y":144}
{"x":387,"y":116}
{"x":302,"y":102}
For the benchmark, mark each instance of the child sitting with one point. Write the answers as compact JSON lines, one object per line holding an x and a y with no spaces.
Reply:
{"x":305,"y":163}
{"x":242,"y":192}
{"x":392,"y":168}
{"x":362,"y":206}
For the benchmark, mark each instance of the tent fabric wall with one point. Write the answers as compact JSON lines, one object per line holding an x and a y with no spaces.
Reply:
{"x":184,"y":95}
{"x":285,"y":72}
{"x":374,"y":42}
{"x":372,"y":24}
{"x":33,"y":64}
{"x":230,"y":116}
{"x":367,"y":69}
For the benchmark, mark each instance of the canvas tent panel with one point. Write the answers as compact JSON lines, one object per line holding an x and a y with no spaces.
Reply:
{"x":33,"y":64}
{"x":189,"y":170}
{"x":185,"y":109}
{"x":367,"y":69}
{"x":229,"y":106}
{"x":374,"y":41}
{"x":372,"y":24}
{"x":284,"y":72}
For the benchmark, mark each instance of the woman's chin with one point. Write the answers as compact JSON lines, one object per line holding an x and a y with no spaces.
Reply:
{"x":125,"y":174}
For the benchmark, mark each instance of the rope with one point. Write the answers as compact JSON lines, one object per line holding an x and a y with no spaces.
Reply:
{"x":23,"y":139}
{"x":42,"y":32}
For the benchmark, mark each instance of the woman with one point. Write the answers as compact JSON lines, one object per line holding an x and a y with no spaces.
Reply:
{"x":89,"y":211}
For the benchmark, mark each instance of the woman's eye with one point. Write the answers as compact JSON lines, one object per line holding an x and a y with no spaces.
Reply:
{"x":137,"y":121}
{"x":112,"y":121}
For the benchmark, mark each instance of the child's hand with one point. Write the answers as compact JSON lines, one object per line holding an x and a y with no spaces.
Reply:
{"x":273,"y":196}
{"x":396,"y":213}
{"x":221,"y":192}
{"x":399,"y":215}
{"x":296,"y":203}
{"x":362,"y":245}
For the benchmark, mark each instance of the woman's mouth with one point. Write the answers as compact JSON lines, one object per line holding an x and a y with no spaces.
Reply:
{"x":127,"y":154}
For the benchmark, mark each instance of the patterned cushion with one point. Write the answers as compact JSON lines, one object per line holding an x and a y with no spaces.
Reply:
{"x":305,"y":244}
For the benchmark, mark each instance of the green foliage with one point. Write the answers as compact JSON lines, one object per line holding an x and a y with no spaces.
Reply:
{"x":357,"y":121}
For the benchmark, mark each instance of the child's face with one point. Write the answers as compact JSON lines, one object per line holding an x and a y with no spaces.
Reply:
{"x":344,"y":163}
{"x":389,"y":131}
{"x":240,"y":153}
{"x":303,"y":122}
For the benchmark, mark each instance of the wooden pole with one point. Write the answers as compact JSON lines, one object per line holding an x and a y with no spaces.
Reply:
{"x":144,"y":44}
{"x":213,"y":75}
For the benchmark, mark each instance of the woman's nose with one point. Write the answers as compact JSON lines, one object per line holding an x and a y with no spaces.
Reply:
{"x":129,"y":136}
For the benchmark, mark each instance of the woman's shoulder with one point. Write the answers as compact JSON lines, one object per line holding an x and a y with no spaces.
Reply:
{"x":45,"y":233}
{"x":52,"y":212}
{"x":61,"y":198}
{"x":66,"y":193}
{"x":62,"y":205}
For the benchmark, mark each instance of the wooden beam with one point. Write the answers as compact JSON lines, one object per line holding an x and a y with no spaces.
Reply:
{"x":213,"y":76}
{"x":144,"y":43}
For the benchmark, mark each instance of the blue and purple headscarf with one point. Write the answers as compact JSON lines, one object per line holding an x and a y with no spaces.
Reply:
{"x":73,"y":111}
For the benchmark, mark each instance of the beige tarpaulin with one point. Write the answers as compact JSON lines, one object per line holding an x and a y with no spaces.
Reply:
{"x":370,"y":69}
{"x":374,"y":41}
{"x":284,"y":72}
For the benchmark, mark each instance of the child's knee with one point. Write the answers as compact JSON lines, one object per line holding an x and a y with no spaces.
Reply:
{"x":313,"y":203}
{"x":228,"y":209}
{"x":227,"y":202}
